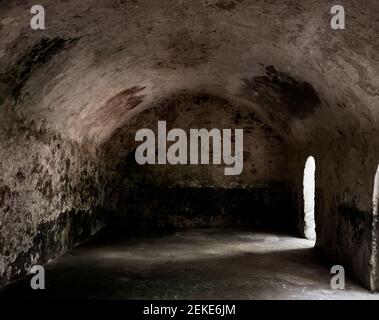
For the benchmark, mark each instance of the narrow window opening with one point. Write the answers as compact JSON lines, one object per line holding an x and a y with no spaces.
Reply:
{"x":309,"y":199}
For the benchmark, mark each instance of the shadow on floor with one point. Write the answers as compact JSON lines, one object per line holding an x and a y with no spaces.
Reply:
{"x":191,"y":264}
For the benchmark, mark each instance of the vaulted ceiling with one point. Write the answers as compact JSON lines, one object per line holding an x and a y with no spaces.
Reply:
{"x":100,"y":62}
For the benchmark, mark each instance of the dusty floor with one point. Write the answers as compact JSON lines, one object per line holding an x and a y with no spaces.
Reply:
{"x":194,"y":264}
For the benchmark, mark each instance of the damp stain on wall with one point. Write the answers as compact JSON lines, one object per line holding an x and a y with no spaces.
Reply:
{"x":282,"y":94}
{"x":14,"y":79}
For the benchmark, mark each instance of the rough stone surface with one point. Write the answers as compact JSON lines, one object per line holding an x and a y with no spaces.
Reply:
{"x":48,"y":193}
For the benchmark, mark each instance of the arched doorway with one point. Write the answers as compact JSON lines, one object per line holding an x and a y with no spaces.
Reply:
{"x":375,"y":197}
{"x":309,"y":198}
{"x":374,"y":252}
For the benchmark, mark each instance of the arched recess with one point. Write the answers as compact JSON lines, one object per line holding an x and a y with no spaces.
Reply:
{"x":309,"y":198}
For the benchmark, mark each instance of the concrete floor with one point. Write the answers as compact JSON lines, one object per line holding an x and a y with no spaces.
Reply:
{"x":193,"y":264}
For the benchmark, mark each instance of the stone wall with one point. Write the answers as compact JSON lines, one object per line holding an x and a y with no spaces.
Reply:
{"x":344,"y":207}
{"x":50,"y":197}
{"x":201,"y":195}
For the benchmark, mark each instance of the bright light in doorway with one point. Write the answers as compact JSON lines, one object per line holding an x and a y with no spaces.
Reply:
{"x":309,"y":198}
